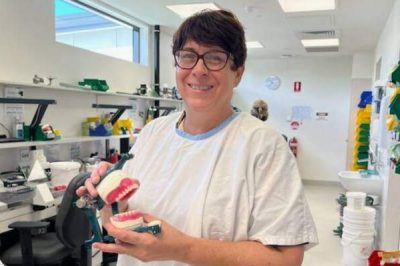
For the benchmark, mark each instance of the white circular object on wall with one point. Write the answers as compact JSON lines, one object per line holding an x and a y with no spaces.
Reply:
{"x":272,"y":82}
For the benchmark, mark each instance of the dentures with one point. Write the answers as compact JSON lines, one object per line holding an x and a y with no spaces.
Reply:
{"x":128,"y":220}
{"x":117,"y":187}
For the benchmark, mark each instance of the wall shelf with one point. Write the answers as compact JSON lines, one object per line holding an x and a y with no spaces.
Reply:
{"x":87,"y":91}
{"x":65,"y":140}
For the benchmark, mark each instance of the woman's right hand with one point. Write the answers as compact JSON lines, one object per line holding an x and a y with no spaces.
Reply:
{"x":93,"y":180}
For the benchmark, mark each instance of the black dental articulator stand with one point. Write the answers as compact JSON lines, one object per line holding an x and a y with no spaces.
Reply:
{"x":91,"y":205}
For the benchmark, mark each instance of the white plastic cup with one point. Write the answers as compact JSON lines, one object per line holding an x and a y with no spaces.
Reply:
{"x":367,"y":234}
{"x":366,"y":213}
{"x":63,"y":172}
{"x":358,"y":226}
{"x":356,"y":200}
{"x":356,"y":252}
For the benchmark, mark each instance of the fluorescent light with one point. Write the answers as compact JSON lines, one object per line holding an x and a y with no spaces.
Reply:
{"x":254,"y":44}
{"x":289,"y":6}
{"x":320,"y":42}
{"x":187,"y":10}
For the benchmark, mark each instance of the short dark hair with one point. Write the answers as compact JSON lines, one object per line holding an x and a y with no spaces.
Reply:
{"x":214,"y":27}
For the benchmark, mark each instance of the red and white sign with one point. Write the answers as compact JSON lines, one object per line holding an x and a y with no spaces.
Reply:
{"x":294,"y":124}
{"x":297,"y":86}
{"x":321,"y":115}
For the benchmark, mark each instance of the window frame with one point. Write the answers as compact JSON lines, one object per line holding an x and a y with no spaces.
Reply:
{"x":135,"y":29}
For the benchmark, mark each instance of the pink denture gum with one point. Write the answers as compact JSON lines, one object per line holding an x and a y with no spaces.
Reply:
{"x":117,"y":187}
{"x":128,"y":220}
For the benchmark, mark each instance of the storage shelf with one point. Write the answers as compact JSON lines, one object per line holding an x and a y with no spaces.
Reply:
{"x":65,"y":140}
{"x":89,"y":91}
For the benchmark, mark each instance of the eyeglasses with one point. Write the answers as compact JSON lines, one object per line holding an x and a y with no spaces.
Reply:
{"x":213,"y":60}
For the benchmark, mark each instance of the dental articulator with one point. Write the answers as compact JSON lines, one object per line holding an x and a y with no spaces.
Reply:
{"x":115,"y":186}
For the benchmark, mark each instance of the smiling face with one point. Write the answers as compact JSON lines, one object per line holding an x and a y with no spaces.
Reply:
{"x":205,"y":90}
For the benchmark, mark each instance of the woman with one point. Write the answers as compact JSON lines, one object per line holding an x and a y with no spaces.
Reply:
{"x":224,"y":185}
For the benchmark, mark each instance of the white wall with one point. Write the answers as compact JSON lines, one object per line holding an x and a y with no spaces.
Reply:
{"x":326,"y":84}
{"x":388,"y":47}
{"x":388,"y":50}
{"x":362,"y":66}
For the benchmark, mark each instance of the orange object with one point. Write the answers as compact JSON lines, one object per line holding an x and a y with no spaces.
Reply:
{"x":376,"y":256}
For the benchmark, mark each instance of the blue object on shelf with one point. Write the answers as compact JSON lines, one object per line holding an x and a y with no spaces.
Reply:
{"x":365,"y":98}
{"x":100,"y":130}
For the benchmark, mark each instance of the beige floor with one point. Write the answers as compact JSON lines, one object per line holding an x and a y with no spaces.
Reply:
{"x":326,"y":216}
{"x":322,"y":201}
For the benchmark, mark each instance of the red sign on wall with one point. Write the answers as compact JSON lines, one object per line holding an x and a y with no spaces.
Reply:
{"x":297,"y":86}
{"x":294,"y":124}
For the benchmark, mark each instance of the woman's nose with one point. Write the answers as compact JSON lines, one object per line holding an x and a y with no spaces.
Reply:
{"x":200,"y":68}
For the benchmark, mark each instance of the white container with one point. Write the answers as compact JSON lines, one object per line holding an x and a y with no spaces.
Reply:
{"x":366,"y":213}
{"x":366,"y":234}
{"x":63,"y":172}
{"x":365,"y":221}
{"x":356,"y":251}
{"x":357,"y":226}
{"x":356,"y":200}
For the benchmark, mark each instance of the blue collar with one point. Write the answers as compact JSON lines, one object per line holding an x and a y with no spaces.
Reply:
{"x":209,"y":133}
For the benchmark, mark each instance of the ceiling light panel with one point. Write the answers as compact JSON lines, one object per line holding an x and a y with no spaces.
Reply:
{"x":290,"y":6}
{"x":320,"y":42}
{"x":254,"y":44}
{"x":187,"y":10}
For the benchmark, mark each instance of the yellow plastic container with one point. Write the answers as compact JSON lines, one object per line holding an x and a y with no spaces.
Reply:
{"x":123,"y":123}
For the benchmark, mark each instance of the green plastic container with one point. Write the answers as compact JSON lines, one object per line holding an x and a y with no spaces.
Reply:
{"x":365,"y":126}
{"x":95,"y":84}
{"x":364,"y":133}
{"x":363,"y":149}
{"x":39,"y":135}
{"x":362,"y":155}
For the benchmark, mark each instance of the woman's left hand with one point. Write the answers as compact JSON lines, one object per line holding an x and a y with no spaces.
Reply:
{"x":170,"y":244}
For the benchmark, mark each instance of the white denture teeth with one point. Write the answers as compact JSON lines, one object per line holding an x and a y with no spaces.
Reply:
{"x":128,"y":220}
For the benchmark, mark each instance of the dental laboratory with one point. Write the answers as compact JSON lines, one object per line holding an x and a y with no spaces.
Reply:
{"x":172,"y":133}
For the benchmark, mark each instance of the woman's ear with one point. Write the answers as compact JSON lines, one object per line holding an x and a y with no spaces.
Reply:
{"x":238,"y":75}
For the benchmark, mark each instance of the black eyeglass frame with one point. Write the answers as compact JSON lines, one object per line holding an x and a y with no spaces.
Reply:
{"x":201,"y":56}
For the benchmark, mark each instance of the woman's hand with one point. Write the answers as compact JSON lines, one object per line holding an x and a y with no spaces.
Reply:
{"x":89,"y":187}
{"x":170,"y":244}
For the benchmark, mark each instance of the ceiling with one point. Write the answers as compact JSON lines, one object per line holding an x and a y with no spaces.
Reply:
{"x":358,"y":23}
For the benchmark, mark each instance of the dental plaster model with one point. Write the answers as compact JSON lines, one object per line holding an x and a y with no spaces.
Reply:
{"x":116,"y":186}
{"x":133,"y":220}
{"x":129,"y":220}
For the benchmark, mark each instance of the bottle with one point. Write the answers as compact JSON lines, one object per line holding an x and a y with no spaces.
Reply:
{"x":114,"y":156}
{"x":18,"y":128}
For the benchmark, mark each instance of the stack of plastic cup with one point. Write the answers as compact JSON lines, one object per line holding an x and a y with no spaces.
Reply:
{"x":358,"y":230}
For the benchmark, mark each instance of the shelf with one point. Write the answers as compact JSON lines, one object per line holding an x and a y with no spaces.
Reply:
{"x":65,"y":140}
{"x":26,"y":101}
{"x":155,"y":99}
{"x":88,"y":91}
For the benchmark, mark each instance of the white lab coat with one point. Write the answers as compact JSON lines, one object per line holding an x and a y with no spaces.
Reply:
{"x":238,"y":181}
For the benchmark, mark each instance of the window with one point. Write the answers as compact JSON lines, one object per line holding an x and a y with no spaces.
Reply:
{"x":82,"y":26}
